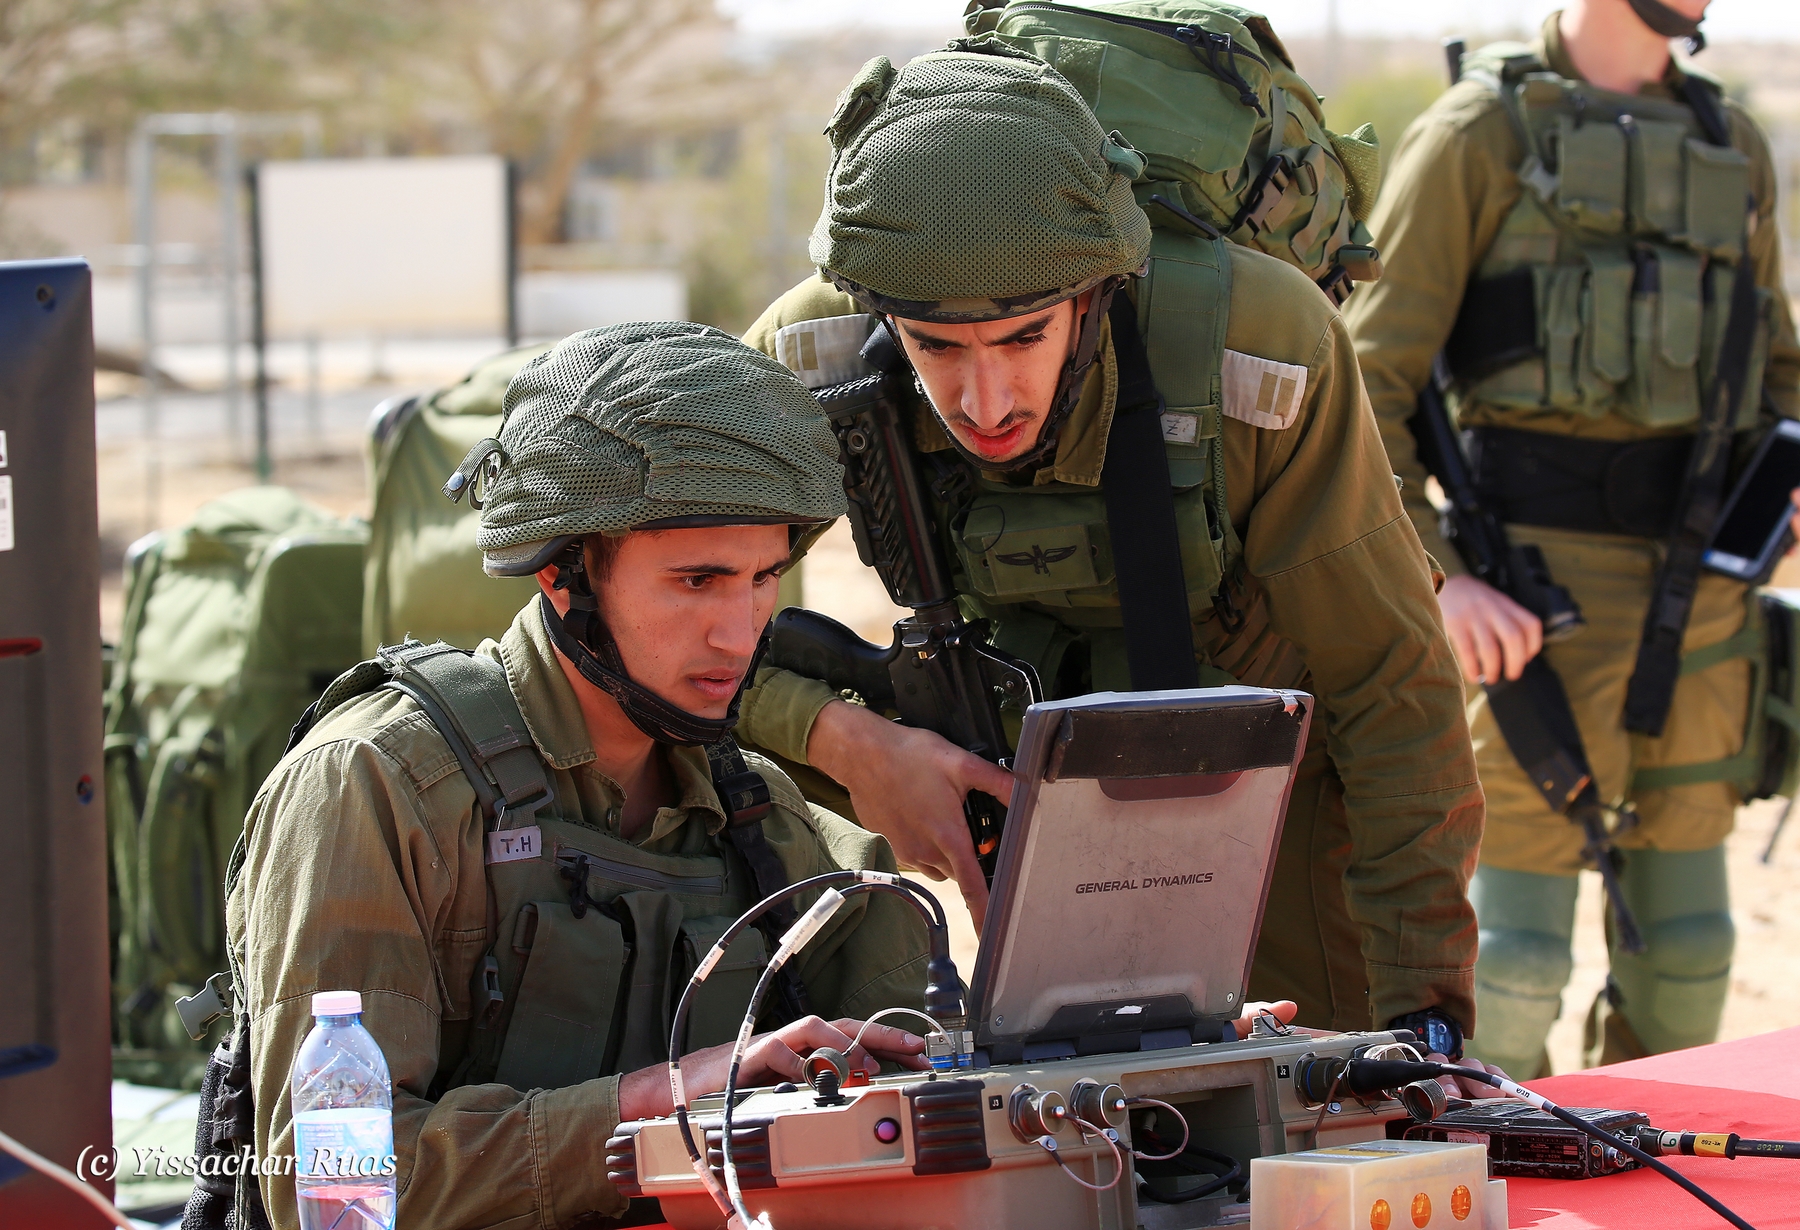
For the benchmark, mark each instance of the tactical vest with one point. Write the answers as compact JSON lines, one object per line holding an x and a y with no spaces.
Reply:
{"x":591,"y":939}
{"x":1606,"y":290}
{"x":1037,"y":559}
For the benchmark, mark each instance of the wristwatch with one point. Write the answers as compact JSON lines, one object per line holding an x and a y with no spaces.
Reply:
{"x":1436,"y":1030}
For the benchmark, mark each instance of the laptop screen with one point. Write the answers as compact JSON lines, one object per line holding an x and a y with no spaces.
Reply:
{"x":1136,"y":859}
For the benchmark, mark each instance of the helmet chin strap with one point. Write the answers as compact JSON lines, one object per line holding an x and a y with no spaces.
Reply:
{"x":582,"y":637}
{"x":1068,"y":387}
{"x":1669,"y":23}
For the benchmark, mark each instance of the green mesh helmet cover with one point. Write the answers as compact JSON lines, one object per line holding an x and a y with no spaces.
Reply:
{"x":615,"y":429}
{"x":974,"y":184}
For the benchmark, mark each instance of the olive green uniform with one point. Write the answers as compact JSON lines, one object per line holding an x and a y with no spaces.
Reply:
{"x":1367,"y":917}
{"x":364,"y":869}
{"x":1454,"y":209}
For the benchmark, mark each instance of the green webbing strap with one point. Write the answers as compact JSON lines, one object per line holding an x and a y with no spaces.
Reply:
{"x":1183,"y":311}
{"x":1747,"y":642}
{"x":1751,"y":641}
{"x":467,"y":698}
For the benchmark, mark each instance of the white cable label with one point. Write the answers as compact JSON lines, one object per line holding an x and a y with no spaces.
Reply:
{"x":809,"y":924}
{"x":713,"y":956}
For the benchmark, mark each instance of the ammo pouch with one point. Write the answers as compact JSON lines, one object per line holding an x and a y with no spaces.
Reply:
{"x":1607,"y":288}
{"x":1769,"y":762}
{"x":1569,"y":483}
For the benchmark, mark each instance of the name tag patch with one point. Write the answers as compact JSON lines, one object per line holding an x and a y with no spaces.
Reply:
{"x":1262,"y":392}
{"x":825,"y":352}
{"x":512,"y":845}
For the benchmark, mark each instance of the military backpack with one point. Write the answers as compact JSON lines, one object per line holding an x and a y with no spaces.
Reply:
{"x":1236,"y":139}
{"x":423,"y":576}
{"x":233,"y":623}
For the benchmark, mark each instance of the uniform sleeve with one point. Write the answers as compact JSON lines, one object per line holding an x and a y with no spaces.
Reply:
{"x":1349,"y":585}
{"x":777,"y":714}
{"x":345,"y":886}
{"x":1443,"y":199}
{"x":1781,"y":378}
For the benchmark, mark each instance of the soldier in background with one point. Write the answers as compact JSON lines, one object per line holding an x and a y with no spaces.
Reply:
{"x":1579,"y":441}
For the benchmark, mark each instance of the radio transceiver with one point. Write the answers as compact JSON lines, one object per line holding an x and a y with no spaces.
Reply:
{"x":1099,"y":1082}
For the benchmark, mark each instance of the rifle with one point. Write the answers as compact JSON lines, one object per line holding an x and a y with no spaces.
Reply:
{"x":940,"y":673}
{"x":1532,"y":711}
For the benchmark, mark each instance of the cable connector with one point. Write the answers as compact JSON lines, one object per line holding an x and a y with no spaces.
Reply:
{"x":950,"y":1049}
{"x":865,"y":876}
{"x":807,"y":926}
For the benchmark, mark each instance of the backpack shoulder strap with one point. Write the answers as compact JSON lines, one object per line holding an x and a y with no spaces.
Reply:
{"x":361,"y":678}
{"x":467,"y":698}
{"x":1503,"y":63}
{"x":1183,"y":318}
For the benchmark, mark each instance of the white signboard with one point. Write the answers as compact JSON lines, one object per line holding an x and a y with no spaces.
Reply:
{"x":555,"y":303}
{"x":396,"y":246}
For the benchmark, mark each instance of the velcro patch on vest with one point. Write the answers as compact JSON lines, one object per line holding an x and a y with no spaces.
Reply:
{"x":1180,"y":428}
{"x":1262,"y":392}
{"x":513,"y":845}
{"x":825,"y":352}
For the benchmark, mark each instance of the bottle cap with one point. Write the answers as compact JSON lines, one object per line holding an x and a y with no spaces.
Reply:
{"x":337,"y":1003}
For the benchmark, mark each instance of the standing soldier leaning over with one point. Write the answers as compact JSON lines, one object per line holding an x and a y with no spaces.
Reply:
{"x":978,"y":210}
{"x":1576,"y":209}
{"x":519,"y":947}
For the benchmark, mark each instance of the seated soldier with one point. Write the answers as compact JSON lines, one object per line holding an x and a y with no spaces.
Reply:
{"x":657,"y":478}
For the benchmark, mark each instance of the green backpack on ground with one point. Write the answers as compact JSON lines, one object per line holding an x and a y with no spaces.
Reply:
{"x":423,"y":577}
{"x":233,"y":624}
{"x":1235,"y":137}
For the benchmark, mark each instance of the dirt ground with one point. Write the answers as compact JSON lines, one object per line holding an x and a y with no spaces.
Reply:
{"x":324,"y":463}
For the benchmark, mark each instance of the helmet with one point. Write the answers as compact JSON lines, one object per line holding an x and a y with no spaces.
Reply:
{"x":975,"y":184}
{"x":647,"y":426}
{"x":665,"y":425}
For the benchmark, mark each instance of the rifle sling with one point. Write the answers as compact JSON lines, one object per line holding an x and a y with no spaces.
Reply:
{"x":745,"y":797}
{"x":1140,"y":514}
{"x":1652,"y":687}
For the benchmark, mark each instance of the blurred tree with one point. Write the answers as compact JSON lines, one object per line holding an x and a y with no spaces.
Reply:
{"x":41,"y":44}
{"x":542,"y":75}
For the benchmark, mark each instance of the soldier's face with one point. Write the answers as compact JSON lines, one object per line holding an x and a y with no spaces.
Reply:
{"x":686,"y":608}
{"x":992,"y":383}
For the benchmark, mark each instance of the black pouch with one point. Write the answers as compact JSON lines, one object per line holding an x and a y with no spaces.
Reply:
{"x":224,"y":1128}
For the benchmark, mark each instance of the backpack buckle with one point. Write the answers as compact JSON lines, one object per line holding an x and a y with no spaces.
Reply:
{"x":199,"y":1010}
{"x":486,"y":994}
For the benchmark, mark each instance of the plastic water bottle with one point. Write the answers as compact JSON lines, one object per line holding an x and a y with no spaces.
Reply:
{"x":343,"y":1121}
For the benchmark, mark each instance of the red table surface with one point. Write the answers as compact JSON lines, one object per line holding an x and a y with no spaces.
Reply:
{"x":1751,"y":1087}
